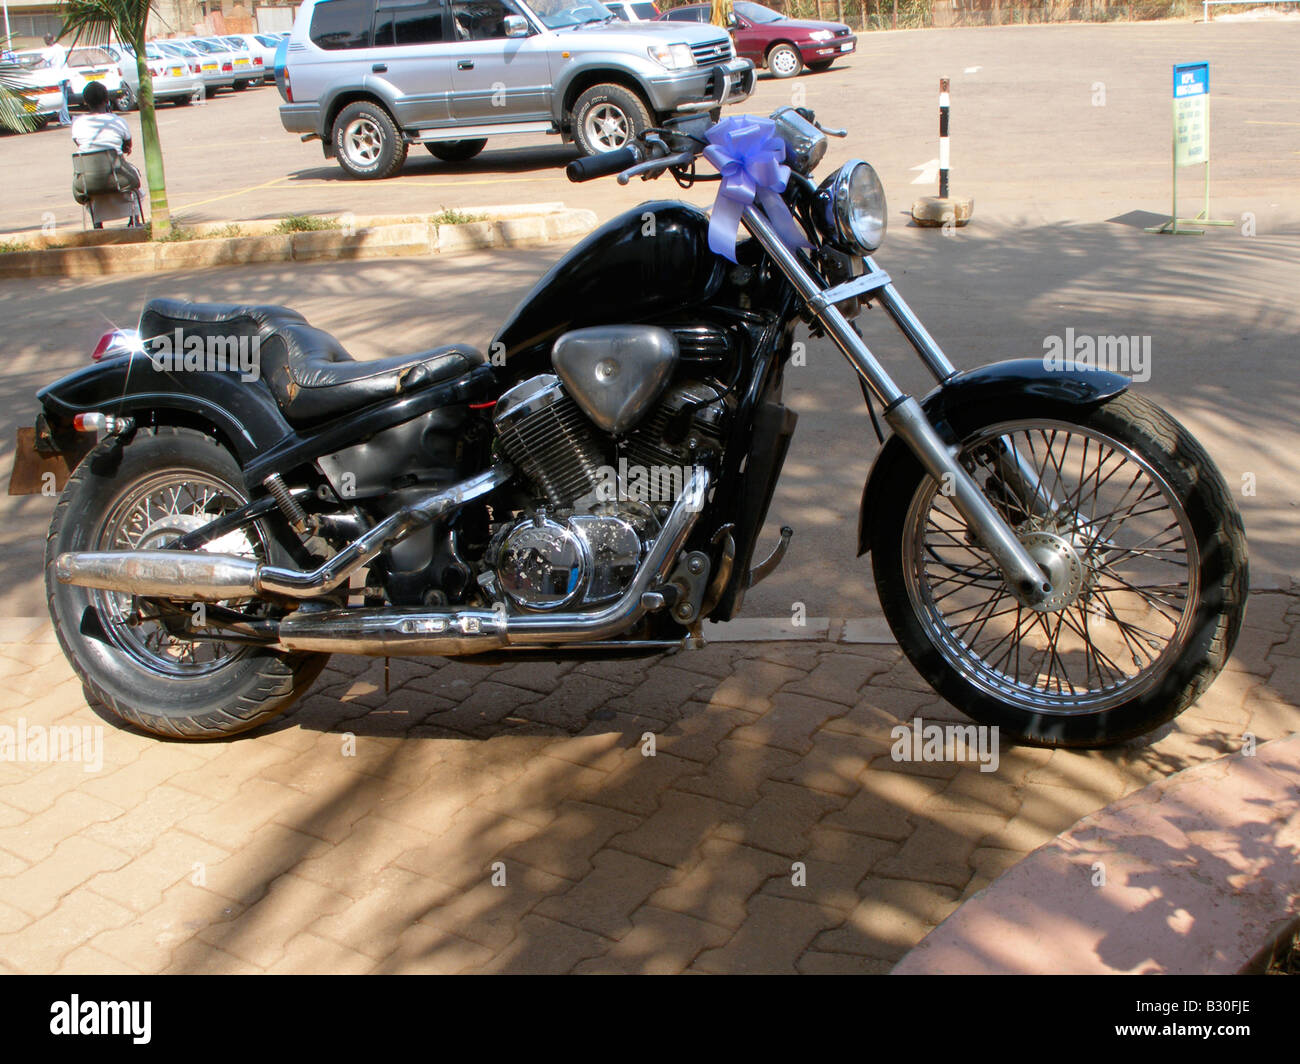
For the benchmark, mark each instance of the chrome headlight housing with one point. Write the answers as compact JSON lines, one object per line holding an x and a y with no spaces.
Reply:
{"x":854,"y":212}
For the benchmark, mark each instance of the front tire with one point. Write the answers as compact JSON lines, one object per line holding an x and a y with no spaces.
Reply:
{"x":821,"y":66}
{"x":1142,"y":538}
{"x":784,"y":61}
{"x":142,"y":674}
{"x":608,"y":117}
{"x":367,"y":143}
{"x":125,"y":100}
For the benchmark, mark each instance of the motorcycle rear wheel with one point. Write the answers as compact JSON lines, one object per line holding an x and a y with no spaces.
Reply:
{"x":1143,"y":541}
{"x":141,"y":495}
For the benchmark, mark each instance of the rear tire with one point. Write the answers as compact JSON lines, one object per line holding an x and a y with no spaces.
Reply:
{"x":1130,"y":666}
{"x":367,"y":143}
{"x":158,"y":690}
{"x":126,"y":100}
{"x":455,"y":151}
{"x":608,"y":117}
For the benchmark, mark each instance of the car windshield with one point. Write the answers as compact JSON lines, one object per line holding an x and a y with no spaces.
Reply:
{"x":88,"y":57}
{"x":556,"y":14}
{"x":757,"y":12}
{"x":32,"y":61}
{"x":265,"y":42}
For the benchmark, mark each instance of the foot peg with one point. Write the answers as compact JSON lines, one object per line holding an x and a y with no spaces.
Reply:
{"x":763,"y":569}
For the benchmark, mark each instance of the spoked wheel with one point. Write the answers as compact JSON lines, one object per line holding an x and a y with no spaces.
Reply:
{"x":1125,"y":512}
{"x":135,"y":656}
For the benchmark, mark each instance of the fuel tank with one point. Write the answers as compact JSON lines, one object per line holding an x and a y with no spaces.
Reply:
{"x":646,"y":262}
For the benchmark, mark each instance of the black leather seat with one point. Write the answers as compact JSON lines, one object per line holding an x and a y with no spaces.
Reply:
{"x":310,"y":373}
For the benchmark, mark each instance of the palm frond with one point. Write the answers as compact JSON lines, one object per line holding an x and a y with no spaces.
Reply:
{"x":13,"y":115}
{"x":94,"y":22}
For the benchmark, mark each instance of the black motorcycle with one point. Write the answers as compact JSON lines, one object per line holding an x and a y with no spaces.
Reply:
{"x":1055,"y":554}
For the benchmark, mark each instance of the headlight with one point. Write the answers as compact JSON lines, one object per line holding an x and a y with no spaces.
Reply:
{"x":820,"y":35}
{"x":672,"y":56}
{"x":853,"y":202}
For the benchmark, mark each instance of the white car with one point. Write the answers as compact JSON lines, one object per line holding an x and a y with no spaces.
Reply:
{"x":39,"y":87}
{"x":217,"y":68}
{"x":84,"y":65}
{"x":245,"y":70}
{"x":261,"y":47}
{"x":176,"y":78}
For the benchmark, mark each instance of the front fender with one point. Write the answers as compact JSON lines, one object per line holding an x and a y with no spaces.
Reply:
{"x":243,"y":412}
{"x":1027,"y":377}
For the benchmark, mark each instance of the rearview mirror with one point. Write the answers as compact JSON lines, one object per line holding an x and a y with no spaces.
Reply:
{"x":516,"y":26}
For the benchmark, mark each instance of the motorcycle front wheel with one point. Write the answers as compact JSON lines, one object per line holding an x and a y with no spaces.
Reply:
{"x":1126,"y":512}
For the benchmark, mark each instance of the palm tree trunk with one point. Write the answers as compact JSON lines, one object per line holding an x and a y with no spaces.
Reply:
{"x":159,"y":213}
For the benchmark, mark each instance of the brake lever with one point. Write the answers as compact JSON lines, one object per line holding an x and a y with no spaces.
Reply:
{"x":682,"y":158}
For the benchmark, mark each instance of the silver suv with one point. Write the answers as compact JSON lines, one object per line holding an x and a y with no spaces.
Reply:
{"x":368,"y":78}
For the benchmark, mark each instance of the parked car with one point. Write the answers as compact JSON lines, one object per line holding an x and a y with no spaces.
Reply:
{"x":262,"y":49}
{"x":633,"y":10}
{"x":369,"y":80}
{"x":176,"y":78}
{"x":238,"y":62}
{"x":83,"y":65}
{"x":783,"y":45}
{"x":39,"y":87}
{"x":216,"y":68}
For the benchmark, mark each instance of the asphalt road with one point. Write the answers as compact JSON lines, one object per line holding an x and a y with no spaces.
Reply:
{"x":1062,"y":189}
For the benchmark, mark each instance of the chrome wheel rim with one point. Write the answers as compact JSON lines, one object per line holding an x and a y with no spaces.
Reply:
{"x":784,"y":62}
{"x":151,"y":514}
{"x":607,"y":127}
{"x":1117,"y":539}
{"x":362,"y":142}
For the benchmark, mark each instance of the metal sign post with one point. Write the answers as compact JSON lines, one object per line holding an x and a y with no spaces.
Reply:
{"x":1191,"y":142}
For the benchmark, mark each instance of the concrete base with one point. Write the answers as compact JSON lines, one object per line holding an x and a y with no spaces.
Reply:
{"x":934,"y":211}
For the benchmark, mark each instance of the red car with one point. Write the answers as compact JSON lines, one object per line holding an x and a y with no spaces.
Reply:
{"x":783,"y":45}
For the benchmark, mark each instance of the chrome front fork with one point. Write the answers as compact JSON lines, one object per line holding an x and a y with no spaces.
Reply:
{"x":1023,"y":575}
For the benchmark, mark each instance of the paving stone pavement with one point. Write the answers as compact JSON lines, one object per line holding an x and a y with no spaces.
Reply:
{"x":508,"y":818}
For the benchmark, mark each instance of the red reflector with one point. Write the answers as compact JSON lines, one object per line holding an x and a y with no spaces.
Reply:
{"x":257,"y":60}
{"x":86,"y":422}
{"x":105,"y":342}
{"x":482,"y":406}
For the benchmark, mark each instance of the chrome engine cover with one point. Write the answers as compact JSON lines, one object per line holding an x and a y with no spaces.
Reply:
{"x":615,"y":372}
{"x":591,"y":558}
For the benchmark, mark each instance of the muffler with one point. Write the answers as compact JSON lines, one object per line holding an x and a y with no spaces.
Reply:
{"x":200,"y":576}
{"x":394,"y":632}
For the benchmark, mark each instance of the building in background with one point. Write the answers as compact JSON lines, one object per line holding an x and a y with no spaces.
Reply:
{"x":30,"y":20}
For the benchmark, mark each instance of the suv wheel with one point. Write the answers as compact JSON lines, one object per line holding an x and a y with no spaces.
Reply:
{"x":606,"y":117}
{"x":784,"y":61}
{"x":125,"y":100}
{"x":366,"y":142}
{"x":455,"y":151}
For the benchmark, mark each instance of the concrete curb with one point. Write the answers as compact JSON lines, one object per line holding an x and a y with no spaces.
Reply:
{"x":1199,"y":877}
{"x":120,"y":251}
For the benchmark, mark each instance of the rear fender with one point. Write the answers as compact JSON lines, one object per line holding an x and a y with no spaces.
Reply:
{"x":1027,"y":378}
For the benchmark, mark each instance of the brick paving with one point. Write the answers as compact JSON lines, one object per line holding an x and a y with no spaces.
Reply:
{"x":507,"y":819}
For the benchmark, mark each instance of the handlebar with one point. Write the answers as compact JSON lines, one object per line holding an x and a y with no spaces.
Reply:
{"x":610,"y":162}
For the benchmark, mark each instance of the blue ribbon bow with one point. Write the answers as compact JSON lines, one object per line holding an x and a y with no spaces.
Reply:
{"x":750,"y":156}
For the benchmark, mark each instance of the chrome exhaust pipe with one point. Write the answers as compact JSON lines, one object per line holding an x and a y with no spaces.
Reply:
{"x":390,"y":632}
{"x":199,"y":576}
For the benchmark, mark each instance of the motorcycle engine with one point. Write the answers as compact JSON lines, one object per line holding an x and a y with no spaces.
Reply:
{"x":598,"y":500}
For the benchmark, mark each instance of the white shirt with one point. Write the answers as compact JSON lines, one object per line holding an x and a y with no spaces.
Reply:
{"x":94,"y":132}
{"x":56,"y":55}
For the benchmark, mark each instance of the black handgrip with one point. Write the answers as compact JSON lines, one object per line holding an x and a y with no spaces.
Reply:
{"x":610,"y":162}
